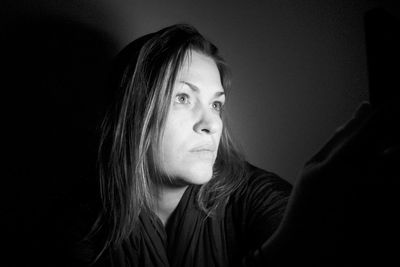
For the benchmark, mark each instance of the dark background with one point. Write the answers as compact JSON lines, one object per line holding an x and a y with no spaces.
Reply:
{"x":299,"y":67}
{"x":299,"y":71}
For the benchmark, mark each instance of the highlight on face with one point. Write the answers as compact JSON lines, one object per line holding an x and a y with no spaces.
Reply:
{"x":193,"y":126}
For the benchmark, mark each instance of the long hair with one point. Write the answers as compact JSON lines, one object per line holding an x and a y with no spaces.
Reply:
{"x":143,"y":77}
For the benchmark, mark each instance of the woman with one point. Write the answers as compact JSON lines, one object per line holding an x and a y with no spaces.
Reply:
{"x":175,"y":189}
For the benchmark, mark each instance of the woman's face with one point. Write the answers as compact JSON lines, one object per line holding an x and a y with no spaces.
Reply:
{"x":193,"y":126}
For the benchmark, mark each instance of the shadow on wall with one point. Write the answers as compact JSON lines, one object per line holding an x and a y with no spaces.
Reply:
{"x":54,"y":95}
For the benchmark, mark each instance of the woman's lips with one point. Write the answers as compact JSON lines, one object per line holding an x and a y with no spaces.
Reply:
{"x":204,"y":152}
{"x":202,"y":148}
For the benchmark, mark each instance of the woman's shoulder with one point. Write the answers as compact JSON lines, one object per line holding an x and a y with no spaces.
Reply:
{"x":260,"y":192}
{"x":256,"y":179}
{"x":256,"y":208}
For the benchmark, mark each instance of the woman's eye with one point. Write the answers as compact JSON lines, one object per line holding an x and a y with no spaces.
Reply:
{"x":182,"y":99}
{"x":217,"y":105}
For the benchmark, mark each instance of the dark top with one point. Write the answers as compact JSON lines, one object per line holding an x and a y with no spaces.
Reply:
{"x":190,"y":238}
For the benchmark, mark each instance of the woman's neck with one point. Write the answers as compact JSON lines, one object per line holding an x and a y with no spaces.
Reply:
{"x":167,"y":201}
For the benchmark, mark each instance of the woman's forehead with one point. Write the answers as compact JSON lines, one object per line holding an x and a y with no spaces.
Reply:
{"x":200,"y":70}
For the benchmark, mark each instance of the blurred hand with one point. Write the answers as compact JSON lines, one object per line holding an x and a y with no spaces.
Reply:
{"x":343,"y":209}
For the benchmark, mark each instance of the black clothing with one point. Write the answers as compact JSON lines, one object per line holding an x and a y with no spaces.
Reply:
{"x":190,"y":238}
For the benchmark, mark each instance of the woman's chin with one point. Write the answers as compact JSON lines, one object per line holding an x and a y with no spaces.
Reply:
{"x":190,"y":173}
{"x":200,"y":173}
{"x":196,"y":174}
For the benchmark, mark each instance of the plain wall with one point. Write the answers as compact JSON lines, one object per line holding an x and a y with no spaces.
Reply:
{"x":299,"y":67}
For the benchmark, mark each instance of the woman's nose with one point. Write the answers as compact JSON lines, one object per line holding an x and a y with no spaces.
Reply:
{"x":208,"y":122}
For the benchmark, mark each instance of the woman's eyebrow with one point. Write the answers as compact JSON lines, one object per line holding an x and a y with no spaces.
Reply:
{"x":195,"y":88}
